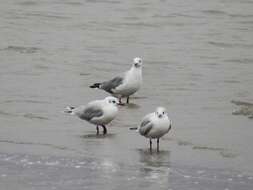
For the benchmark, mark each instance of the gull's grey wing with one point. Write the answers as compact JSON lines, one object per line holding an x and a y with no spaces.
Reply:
{"x":145,"y":127}
{"x":91,"y":112}
{"x":110,"y":85}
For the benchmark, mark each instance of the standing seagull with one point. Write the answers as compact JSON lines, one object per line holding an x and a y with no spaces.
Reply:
{"x":126,"y":84}
{"x":155,"y":125}
{"x":98,"y":112}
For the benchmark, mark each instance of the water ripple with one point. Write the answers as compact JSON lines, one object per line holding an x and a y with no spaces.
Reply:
{"x":214,"y":12}
{"x":240,"y":60}
{"x":229,"y":45}
{"x":33,"y":116}
{"x":27,"y":101}
{"x":21,"y":49}
{"x":34,"y":144}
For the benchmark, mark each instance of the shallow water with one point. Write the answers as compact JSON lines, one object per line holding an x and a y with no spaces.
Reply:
{"x":197,"y":59}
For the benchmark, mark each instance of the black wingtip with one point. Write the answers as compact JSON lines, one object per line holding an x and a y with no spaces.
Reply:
{"x":69,"y":109}
{"x":96,"y":85}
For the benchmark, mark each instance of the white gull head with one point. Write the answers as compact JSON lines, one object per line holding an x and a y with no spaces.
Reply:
{"x":112,"y":100}
{"x":137,"y":62}
{"x":160,"y":112}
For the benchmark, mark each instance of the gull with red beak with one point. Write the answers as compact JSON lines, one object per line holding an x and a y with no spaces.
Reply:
{"x":98,"y":112}
{"x":155,"y":125}
{"x":125,"y":84}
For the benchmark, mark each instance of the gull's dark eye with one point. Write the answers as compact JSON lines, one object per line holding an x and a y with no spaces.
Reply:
{"x":114,"y":101}
{"x":163,"y":113}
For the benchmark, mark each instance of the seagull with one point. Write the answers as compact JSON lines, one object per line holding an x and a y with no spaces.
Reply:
{"x":154,"y":126}
{"x":98,"y":112}
{"x":125,"y":84}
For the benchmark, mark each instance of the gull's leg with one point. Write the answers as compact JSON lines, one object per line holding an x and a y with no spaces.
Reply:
{"x":97,"y":130}
{"x":150,"y":145}
{"x":104,"y":129}
{"x":127,"y":100}
{"x":157,"y":148}
{"x":120,"y":102}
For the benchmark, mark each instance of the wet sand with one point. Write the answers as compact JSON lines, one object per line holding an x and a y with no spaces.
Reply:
{"x":197,"y":59}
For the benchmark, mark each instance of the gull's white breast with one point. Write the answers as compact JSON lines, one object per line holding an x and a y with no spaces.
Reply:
{"x":160,"y":127}
{"x":109,"y":113}
{"x":131,"y":83}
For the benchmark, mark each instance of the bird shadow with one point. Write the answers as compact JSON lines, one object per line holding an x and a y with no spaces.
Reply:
{"x":139,"y":97}
{"x":100,"y":136}
{"x":146,"y":152}
{"x":154,"y":158}
{"x":132,"y":106}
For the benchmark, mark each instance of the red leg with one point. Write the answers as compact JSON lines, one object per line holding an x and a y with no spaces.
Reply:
{"x":104,"y":129}
{"x":97,"y":130}
{"x":157,"y":148}
{"x":150,"y":145}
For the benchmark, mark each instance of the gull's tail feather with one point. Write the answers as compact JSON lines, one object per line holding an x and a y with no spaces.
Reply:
{"x":95,"y":85}
{"x":170,"y":126}
{"x":69,"y":109}
{"x":133,"y":128}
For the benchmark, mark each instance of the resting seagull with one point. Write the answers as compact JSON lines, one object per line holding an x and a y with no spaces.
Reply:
{"x":154,"y":126}
{"x":98,"y":112}
{"x":126,"y":84}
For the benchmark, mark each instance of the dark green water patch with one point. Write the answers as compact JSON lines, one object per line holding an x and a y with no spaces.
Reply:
{"x":245,"y":108}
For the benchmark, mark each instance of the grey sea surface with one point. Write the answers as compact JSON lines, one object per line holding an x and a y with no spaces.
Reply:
{"x":198,"y":61}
